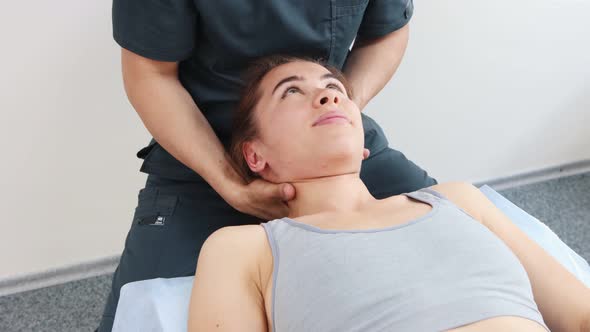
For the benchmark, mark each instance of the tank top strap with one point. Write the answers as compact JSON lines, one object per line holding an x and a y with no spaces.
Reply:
{"x":427,"y":195}
{"x":430,"y":195}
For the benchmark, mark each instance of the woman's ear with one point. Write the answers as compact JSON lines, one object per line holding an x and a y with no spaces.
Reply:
{"x":253,"y":157}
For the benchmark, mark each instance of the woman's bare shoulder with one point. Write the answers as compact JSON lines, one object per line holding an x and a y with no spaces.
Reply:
{"x":250,"y":244}
{"x":465,"y":195}
{"x":227,"y":281}
{"x":243,"y":234}
{"x":247,"y":240}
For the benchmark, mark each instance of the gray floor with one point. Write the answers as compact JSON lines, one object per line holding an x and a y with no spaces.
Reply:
{"x":563,"y":204}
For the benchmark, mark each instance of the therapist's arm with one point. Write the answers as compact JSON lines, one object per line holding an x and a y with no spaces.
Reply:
{"x":171,"y":116}
{"x":372,"y":62}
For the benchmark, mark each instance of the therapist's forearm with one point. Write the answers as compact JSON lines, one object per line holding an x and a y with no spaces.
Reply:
{"x":372,"y":62}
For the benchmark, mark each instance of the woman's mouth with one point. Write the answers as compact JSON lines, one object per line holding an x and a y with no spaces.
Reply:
{"x":334,"y":119}
{"x":331,"y":117}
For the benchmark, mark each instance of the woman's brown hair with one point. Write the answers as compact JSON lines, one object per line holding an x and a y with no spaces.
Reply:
{"x":244,"y":126}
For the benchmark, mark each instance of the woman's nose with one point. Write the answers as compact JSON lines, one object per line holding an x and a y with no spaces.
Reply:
{"x":326,"y":96}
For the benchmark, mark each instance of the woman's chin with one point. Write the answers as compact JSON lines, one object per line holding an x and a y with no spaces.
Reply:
{"x":335,"y":152}
{"x":334,"y":164}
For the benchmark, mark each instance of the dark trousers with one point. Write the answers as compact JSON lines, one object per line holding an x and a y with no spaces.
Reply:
{"x":174,"y":217}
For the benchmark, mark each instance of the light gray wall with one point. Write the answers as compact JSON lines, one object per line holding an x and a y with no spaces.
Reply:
{"x":487,"y":89}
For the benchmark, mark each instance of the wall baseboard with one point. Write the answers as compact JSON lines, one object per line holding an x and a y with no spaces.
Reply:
{"x":537,"y":176}
{"x":57,"y":276}
{"x":107,"y":265}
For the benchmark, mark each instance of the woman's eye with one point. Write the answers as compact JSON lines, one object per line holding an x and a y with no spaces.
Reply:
{"x":335,"y":86}
{"x":288,"y":90}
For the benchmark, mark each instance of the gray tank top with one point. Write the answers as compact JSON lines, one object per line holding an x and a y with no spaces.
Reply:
{"x":434,"y":273}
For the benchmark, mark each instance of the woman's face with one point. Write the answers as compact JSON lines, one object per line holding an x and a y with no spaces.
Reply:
{"x":292,"y":144}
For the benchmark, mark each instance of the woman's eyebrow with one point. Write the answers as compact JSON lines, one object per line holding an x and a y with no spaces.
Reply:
{"x":329,"y":75}
{"x":299,"y":78}
{"x":286,"y":80}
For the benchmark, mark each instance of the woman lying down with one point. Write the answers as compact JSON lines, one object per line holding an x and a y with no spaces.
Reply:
{"x":440,"y":258}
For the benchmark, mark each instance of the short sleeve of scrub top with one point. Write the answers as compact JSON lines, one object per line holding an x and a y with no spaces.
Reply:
{"x":161,"y":30}
{"x":384,"y":16}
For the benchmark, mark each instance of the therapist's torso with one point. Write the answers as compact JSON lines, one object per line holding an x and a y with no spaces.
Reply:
{"x":214,"y":41}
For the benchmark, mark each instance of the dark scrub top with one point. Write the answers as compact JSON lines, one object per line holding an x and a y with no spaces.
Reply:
{"x":215,"y":40}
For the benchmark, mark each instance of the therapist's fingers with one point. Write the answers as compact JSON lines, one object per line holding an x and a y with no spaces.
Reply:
{"x":265,"y":200}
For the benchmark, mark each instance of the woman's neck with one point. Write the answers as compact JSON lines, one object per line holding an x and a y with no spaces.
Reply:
{"x":339,"y":193}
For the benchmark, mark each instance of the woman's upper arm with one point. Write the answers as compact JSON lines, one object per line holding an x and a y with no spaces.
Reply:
{"x":226,"y":295}
{"x":564,"y":301}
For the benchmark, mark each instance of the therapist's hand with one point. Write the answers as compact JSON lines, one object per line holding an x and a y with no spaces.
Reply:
{"x":264,"y":199}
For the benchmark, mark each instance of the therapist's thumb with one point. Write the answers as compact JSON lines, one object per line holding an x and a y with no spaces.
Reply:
{"x":287,"y":191}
